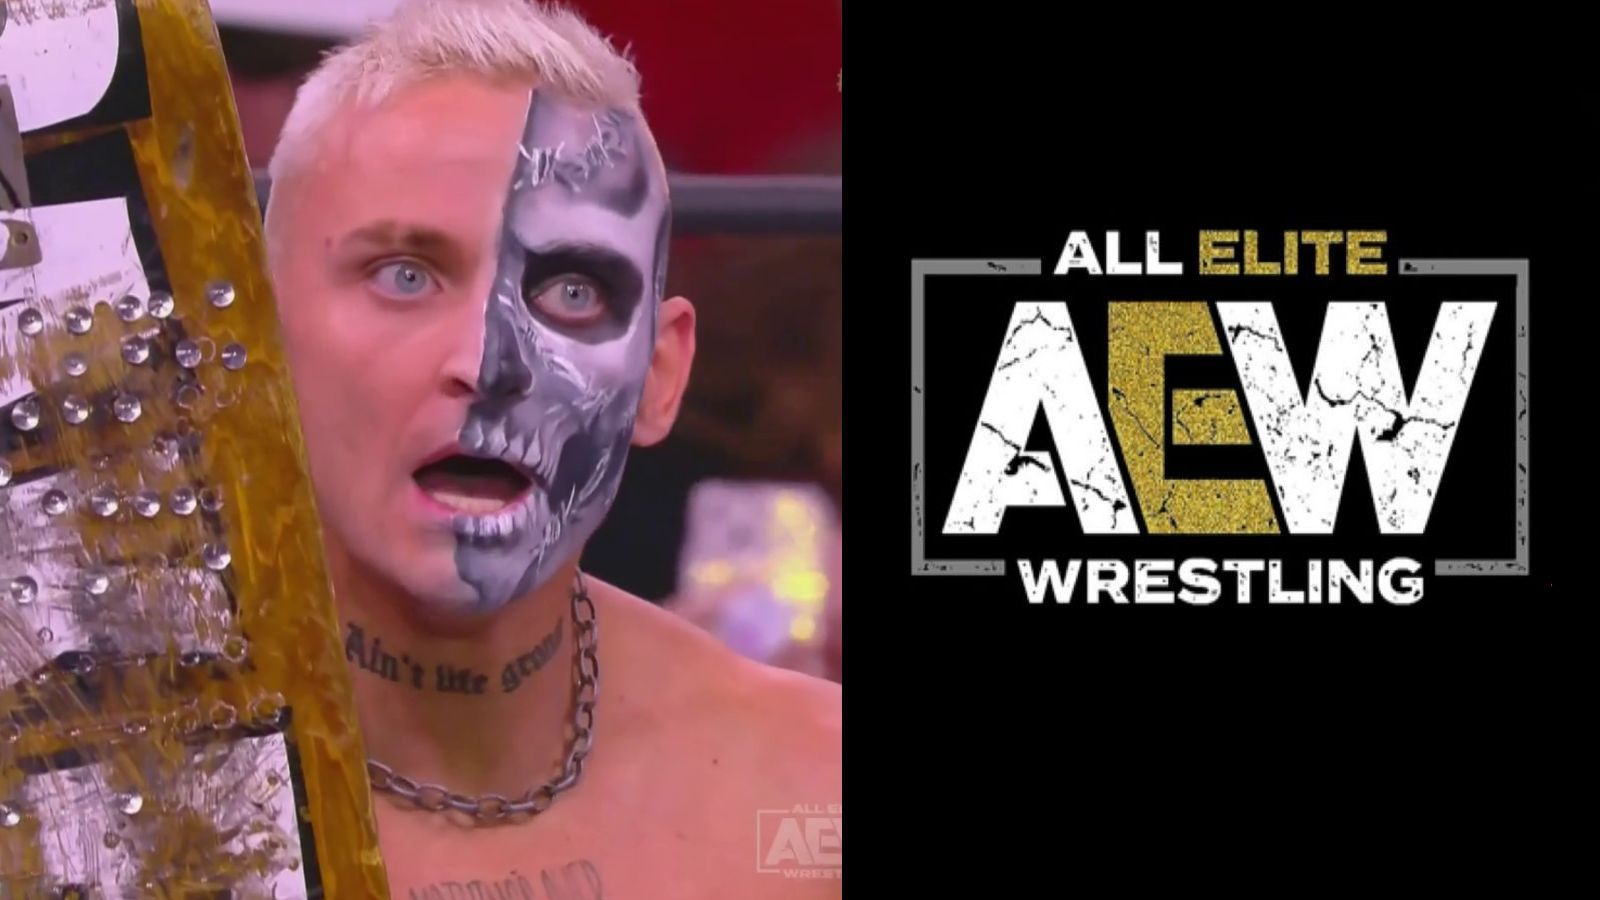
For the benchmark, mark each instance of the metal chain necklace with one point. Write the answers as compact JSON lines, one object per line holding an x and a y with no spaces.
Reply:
{"x":496,"y":807}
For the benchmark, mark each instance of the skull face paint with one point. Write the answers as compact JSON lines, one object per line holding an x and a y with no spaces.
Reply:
{"x":569,"y":331}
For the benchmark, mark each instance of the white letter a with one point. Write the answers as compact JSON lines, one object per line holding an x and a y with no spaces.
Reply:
{"x":1078,"y":254}
{"x":1040,"y":363}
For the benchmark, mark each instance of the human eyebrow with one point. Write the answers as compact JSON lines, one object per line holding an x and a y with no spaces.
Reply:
{"x":391,"y":236}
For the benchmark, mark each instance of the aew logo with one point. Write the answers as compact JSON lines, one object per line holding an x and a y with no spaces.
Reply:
{"x":1357,"y":392}
{"x":800,"y":842}
{"x":1114,"y":450}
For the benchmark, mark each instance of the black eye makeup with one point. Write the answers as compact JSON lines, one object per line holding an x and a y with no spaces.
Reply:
{"x":581,"y":287}
{"x":571,"y":300}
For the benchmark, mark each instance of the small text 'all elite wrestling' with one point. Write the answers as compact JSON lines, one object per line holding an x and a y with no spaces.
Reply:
{"x":1195,"y":428}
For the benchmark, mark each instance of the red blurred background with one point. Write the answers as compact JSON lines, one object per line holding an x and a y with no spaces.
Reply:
{"x":729,"y":87}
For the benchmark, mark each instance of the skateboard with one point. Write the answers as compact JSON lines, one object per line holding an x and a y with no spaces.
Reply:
{"x":175,"y":709}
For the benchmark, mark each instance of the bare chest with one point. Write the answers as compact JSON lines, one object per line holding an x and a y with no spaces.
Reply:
{"x":583,"y":854}
{"x":604,"y":875}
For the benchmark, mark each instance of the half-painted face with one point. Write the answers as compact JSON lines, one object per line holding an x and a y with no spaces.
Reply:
{"x":569,"y":327}
{"x":469,"y":276}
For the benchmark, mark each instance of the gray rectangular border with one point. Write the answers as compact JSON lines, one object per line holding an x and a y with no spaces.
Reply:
{"x":920,"y":270}
{"x":1517,"y":565}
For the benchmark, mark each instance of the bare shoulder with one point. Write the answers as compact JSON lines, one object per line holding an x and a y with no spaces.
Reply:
{"x":738,"y":762}
{"x":788,"y":722}
{"x":683,"y":666}
{"x":796,"y":717}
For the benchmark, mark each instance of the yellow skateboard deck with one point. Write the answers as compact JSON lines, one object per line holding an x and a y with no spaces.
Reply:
{"x":175,"y":709}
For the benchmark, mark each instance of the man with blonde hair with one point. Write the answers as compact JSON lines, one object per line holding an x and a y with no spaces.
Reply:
{"x":468,"y":233}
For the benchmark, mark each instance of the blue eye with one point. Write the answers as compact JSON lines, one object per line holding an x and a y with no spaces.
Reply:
{"x":577,"y":298}
{"x":401,"y":279}
{"x":572,"y":301}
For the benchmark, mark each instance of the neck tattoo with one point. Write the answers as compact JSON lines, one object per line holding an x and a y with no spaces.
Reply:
{"x":370,"y":654}
{"x":497,"y":808}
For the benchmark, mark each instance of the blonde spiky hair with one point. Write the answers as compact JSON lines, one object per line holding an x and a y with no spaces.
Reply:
{"x":425,"y":38}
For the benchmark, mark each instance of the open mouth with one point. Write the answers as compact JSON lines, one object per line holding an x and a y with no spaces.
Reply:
{"x":473,"y":486}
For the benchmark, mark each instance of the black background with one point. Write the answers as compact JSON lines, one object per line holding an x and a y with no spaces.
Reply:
{"x":996,"y":749}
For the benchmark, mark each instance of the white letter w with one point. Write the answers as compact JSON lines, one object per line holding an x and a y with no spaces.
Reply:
{"x":1356,"y":388}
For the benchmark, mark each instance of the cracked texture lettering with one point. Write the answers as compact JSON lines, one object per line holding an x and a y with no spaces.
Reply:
{"x":1142,"y":336}
{"x":1040,"y":364}
{"x":1208,"y":418}
{"x":1357,"y":388}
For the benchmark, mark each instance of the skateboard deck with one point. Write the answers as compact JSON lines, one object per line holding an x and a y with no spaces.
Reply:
{"x":175,"y":709}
